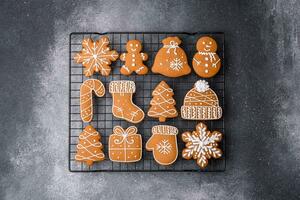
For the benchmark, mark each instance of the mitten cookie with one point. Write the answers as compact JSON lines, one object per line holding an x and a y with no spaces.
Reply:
{"x":171,"y":60}
{"x":134,"y":59}
{"x":96,"y":56}
{"x":206,"y":62}
{"x":201,"y":145}
{"x":163,"y":144}
{"x":86,"y":101}
{"x":123,"y":107}
{"x":125,"y":145}
{"x":162,"y":103}
{"x":201,"y":103}
{"x":89,"y":148}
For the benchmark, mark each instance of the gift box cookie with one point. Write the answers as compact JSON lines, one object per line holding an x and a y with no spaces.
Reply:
{"x":125,"y":145}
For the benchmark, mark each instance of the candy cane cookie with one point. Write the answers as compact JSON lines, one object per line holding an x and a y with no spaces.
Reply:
{"x":86,"y":101}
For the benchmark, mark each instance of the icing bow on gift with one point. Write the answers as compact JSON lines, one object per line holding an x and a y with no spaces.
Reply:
{"x":172,"y":45}
{"x":119,"y":131}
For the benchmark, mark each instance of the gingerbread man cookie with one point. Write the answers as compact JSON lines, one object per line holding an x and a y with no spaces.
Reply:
{"x":163,"y":144}
{"x":201,"y":103}
{"x":96,"y":56}
{"x":201,"y":145}
{"x":171,"y":60}
{"x":206,"y":62}
{"x":134,"y":59}
{"x":89,"y":148}
{"x":125,"y":145}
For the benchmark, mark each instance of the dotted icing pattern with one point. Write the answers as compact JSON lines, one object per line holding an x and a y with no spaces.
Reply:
{"x":125,"y":145}
{"x":201,"y":103}
{"x":89,"y":148}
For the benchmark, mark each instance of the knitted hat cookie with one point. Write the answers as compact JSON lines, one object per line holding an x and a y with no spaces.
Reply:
{"x":201,"y":103}
{"x":171,"y":60}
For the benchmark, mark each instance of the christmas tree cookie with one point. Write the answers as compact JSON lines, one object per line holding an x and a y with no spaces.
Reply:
{"x":89,"y":148}
{"x":123,"y":107}
{"x":134,"y":59}
{"x":201,"y":145}
{"x":206,"y":62}
{"x":96,"y":56}
{"x":171,"y":60}
{"x":201,"y":103}
{"x":162,"y":103}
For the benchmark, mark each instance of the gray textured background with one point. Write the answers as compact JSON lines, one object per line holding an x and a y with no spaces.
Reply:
{"x":262,"y":93}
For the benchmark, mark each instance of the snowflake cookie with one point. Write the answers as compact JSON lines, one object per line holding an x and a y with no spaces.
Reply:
{"x":96,"y":56}
{"x":201,"y":144}
{"x":163,"y":144}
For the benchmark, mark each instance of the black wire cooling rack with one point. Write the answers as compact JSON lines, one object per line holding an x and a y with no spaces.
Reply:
{"x":103,"y":119}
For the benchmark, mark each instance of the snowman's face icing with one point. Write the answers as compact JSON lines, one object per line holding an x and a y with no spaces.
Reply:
{"x":206,"y":44}
{"x":134,"y":46}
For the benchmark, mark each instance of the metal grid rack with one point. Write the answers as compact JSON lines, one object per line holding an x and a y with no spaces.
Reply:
{"x":103,"y":119}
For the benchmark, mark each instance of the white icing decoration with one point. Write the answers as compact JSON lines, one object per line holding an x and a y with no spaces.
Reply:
{"x":176,"y":64}
{"x":201,"y":86}
{"x":173,"y":45}
{"x":164,"y":147}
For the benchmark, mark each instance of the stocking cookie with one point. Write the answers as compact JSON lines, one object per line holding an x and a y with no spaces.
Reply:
{"x":123,"y":107}
{"x":89,"y":148}
{"x":171,"y":60}
{"x":125,"y":145}
{"x":134,"y":59}
{"x":163,"y":144}
{"x":86,"y":101}
{"x":206,"y":62}
{"x":162,"y":103}
{"x":201,"y":103}
{"x":96,"y":56}
{"x":201,"y":145}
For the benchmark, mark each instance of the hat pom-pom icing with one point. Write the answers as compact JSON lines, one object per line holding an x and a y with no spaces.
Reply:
{"x":201,"y":86}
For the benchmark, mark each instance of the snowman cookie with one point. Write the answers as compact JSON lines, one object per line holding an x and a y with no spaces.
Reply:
{"x":206,"y":62}
{"x":134,"y":59}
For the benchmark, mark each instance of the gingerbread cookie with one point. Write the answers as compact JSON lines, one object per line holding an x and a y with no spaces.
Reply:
{"x":86,"y":101}
{"x":125,"y":145}
{"x":134,"y":59}
{"x":96,"y":56}
{"x":89,"y":148}
{"x":171,"y":60}
{"x":201,"y":145}
{"x":163,"y":144}
{"x":162,"y":103}
{"x":201,"y":103}
{"x":123,"y":107}
{"x":206,"y":62}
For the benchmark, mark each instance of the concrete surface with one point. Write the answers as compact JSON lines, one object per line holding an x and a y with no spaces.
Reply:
{"x":263,"y":114}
